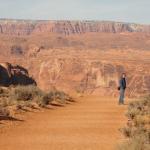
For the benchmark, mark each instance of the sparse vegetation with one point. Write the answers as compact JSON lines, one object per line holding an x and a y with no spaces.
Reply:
{"x":25,"y":93}
{"x":28,"y":97}
{"x":138,"y":126}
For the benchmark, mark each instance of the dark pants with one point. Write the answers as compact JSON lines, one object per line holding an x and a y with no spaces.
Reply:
{"x":121,"y":98}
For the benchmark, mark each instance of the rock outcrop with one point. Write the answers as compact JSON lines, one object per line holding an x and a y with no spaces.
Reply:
{"x":25,"y":27}
{"x":14,"y":75}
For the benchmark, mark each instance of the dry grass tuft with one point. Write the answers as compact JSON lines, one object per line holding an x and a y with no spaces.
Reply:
{"x":23,"y":97}
{"x":138,"y":129}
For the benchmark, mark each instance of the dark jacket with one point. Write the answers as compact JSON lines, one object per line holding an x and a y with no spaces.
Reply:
{"x":122,"y":83}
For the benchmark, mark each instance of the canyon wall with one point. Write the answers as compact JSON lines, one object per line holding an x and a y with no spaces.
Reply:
{"x":89,"y":60}
{"x":93,"y":76}
{"x":23,"y":27}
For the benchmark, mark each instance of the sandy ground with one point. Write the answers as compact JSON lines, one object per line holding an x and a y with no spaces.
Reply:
{"x":89,"y":124}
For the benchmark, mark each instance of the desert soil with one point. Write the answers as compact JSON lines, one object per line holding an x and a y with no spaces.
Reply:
{"x":91,"y":123}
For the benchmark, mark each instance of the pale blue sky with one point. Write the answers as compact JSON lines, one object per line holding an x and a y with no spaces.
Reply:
{"x":137,"y":11}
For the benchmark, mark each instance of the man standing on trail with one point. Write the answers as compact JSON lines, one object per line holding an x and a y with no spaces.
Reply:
{"x":122,"y":88}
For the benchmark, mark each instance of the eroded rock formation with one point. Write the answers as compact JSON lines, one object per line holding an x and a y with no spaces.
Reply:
{"x":14,"y":75}
{"x":25,"y":27}
{"x":92,"y":77}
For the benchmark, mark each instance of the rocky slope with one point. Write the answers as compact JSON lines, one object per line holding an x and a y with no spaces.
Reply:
{"x":24,"y":27}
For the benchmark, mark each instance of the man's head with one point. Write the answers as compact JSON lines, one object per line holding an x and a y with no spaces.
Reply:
{"x":123,"y":75}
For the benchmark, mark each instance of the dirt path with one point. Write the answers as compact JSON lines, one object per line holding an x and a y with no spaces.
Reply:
{"x":89,"y":124}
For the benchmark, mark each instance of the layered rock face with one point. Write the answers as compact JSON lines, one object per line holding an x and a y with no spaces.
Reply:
{"x":93,"y":77}
{"x":23,"y":27}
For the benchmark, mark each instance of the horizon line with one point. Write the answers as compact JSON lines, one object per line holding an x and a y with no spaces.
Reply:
{"x":90,"y":20}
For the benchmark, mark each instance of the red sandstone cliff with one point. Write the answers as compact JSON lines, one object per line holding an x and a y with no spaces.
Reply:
{"x":89,"y":61}
{"x":23,"y":27}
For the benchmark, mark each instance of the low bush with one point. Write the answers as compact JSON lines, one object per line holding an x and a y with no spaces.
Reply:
{"x":138,"y":142}
{"x":138,"y":130}
{"x":25,"y":93}
{"x":61,"y":96}
{"x":43,"y":100}
{"x":141,"y":120}
{"x":132,"y":113}
{"x":23,"y":97}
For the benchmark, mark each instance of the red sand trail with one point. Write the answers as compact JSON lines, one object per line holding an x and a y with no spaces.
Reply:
{"x":91,"y":123}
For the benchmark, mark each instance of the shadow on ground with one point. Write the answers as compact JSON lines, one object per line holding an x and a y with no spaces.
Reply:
{"x":7,"y":118}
